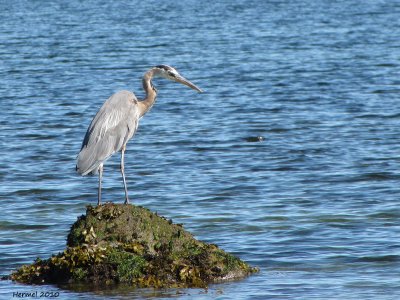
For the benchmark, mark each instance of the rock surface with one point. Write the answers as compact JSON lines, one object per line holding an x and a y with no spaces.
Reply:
{"x":116,"y":243}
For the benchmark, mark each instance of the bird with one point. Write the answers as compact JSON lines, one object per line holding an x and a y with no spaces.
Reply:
{"x":116,"y":122}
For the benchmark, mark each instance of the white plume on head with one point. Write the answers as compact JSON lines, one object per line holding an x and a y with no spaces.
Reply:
{"x":167,"y":72}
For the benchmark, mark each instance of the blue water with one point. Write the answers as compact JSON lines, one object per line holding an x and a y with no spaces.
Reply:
{"x":315,"y":204}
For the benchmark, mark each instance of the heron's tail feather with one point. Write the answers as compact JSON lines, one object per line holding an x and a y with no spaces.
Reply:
{"x":87,"y":163}
{"x":96,"y":151}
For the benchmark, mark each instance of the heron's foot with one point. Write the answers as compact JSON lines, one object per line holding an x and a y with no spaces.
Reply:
{"x":126,"y":201}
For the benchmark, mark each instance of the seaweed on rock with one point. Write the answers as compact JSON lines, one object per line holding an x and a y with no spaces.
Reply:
{"x":115,"y":243}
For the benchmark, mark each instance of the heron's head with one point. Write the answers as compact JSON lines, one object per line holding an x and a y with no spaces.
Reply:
{"x":172,"y":74}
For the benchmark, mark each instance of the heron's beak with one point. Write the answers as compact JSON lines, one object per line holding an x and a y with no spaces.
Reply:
{"x":186,"y":82}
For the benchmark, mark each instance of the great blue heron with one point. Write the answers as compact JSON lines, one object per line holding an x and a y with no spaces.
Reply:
{"x":116,"y":123}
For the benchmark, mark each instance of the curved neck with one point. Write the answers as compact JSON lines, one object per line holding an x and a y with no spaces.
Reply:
{"x":151,"y":93}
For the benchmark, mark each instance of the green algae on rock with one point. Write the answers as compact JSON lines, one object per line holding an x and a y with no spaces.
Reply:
{"x":115,"y":243}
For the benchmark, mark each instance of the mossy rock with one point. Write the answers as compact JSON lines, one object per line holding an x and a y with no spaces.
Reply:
{"x":116,"y":243}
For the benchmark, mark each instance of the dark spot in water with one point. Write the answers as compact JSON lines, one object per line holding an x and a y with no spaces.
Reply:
{"x":379,"y":258}
{"x":253,"y":139}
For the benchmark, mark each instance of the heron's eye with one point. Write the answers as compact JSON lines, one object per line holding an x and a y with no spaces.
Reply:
{"x":171,"y":74}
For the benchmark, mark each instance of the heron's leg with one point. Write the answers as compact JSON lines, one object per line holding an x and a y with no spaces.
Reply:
{"x":100,"y":177}
{"x":123,"y":174}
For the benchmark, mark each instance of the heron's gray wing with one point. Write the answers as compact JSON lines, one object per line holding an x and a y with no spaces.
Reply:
{"x":114,"y":124}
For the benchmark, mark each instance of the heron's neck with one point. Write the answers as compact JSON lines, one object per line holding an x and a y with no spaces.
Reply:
{"x":151,"y":93}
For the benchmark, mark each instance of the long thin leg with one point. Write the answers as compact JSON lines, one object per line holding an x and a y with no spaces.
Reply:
{"x":100,"y":177}
{"x":123,"y":174}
